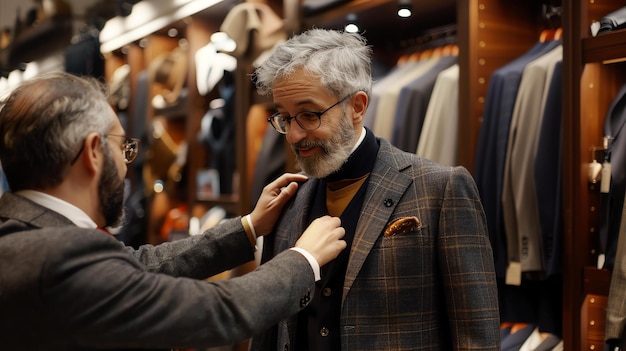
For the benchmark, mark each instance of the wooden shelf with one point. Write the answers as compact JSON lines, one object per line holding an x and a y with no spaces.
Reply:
{"x":607,"y":48}
{"x":230,"y":202}
{"x":37,"y":42}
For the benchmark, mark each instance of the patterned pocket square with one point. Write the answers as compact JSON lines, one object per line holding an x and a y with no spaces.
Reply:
{"x":402,"y":225}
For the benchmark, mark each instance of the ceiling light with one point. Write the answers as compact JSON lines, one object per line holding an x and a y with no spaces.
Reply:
{"x":404,"y":8}
{"x":351,"y":26}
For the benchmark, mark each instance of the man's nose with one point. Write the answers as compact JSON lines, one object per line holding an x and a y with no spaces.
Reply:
{"x":295,"y":133}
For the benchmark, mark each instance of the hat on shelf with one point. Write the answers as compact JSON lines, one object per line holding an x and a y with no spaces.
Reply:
{"x":168,"y":72}
{"x":255,"y":28}
{"x":210,"y":67}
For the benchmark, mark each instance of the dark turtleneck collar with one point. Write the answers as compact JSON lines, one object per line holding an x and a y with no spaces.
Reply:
{"x":360,"y":162}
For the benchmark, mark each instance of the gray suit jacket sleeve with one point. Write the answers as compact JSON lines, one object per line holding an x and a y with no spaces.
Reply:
{"x":80,"y":288}
{"x":97,"y":293}
{"x":201,"y":256}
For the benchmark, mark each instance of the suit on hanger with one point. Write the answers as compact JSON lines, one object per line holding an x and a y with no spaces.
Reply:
{"x":521,"y":217}
{"x":438,"y":140}
{"x":492,"y":142}
{"x":547,"y":176}
{"x":371,"y":118}
{"x":412,"y":105}
{"x":392,"y":298}
{"x":390,"y":93}
{"x":616,"y":303}
{"x":75,"y":288}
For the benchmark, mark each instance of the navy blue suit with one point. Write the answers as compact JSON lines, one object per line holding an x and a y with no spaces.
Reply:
{"x":548,"y":176}
{"x":412,"y":105}
{"x":517,"y":303}
{"x":492,"y":145}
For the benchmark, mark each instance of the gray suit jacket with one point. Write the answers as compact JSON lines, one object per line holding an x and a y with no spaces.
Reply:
{"x":432,"y":288}
{"x":69,"y":288}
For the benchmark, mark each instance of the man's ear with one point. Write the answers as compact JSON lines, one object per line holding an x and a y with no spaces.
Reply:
{"x":359,"y":106}
{"x":93,"y":155}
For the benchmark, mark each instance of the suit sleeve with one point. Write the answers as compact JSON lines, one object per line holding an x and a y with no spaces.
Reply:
{"x":100,"y":297}
{"x":218,"y":249}
{"x":467,"y":267}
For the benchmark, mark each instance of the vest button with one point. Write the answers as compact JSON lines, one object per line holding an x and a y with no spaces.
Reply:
{"x":324,"y":331}
{"x":326,"y":292}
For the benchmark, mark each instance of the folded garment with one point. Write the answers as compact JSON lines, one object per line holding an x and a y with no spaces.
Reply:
{"x":613,"y":21}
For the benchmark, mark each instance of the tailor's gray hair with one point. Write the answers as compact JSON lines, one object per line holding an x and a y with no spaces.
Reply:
{"x":341,"y":60}
{"x":43,"y":125}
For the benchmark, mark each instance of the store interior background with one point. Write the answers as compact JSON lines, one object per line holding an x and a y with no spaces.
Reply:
{"x":485,"y":29}
{"x":9,"y":9}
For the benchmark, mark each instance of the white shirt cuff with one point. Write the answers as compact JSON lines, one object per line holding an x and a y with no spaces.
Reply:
{"x":312,"y":261}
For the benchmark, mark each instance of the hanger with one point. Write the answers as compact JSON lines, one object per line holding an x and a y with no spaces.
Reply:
{"x":434,"y":43}
{"x":546,"y":35}
{"x":414,"y":57}
{"x":403,"y":59}
{"x":437,"y":52}
{"x":426,"y":54}
{"x":552,"y":17}
{"x":450,"y":50}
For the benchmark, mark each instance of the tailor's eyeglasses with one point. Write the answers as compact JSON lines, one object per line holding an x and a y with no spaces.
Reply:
{"x":130,"y":148}
{"x":307,"y":120}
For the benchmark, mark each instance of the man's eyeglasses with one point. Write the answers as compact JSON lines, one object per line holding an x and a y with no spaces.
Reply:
{"x":307,"y":120}
{"x":130,"y":148}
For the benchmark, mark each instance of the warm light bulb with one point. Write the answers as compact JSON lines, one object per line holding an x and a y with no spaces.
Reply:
{"x":352,"y":28}
{"x":404,"y":8}
{"x":404,"y":12}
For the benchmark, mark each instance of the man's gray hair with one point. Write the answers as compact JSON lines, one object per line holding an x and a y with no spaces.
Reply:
{"x":43,"y":123}
{"x":341,"y":60}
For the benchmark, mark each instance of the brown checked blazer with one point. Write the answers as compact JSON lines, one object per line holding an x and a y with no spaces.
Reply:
{"x":66,"y":288}
{"x":420,"y":274}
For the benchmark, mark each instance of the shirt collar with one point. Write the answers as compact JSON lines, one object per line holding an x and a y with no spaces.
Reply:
{"x":71,"y":212}
{"x":363,"y":132}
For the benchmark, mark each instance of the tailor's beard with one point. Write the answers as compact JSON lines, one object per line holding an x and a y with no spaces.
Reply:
{"x":111,"y":192}
{"x":335,"y":151}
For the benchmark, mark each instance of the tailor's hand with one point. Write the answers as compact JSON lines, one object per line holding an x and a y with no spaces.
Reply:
{"x":272,"y":200}
{"x":322,"y":239}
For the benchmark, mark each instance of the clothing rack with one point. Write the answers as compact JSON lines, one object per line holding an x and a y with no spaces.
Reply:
{"x":439,"y":36}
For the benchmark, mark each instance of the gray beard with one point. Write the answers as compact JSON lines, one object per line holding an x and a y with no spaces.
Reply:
{"x":335,"y":151}
{"x":111,"y":193}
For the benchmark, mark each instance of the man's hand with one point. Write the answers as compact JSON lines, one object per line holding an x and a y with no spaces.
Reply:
{"x":272,"y":200}
{"x":322,"y":239}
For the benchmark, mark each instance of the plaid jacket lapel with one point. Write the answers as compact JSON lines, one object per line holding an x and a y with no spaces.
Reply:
{"x":386,"y":187}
